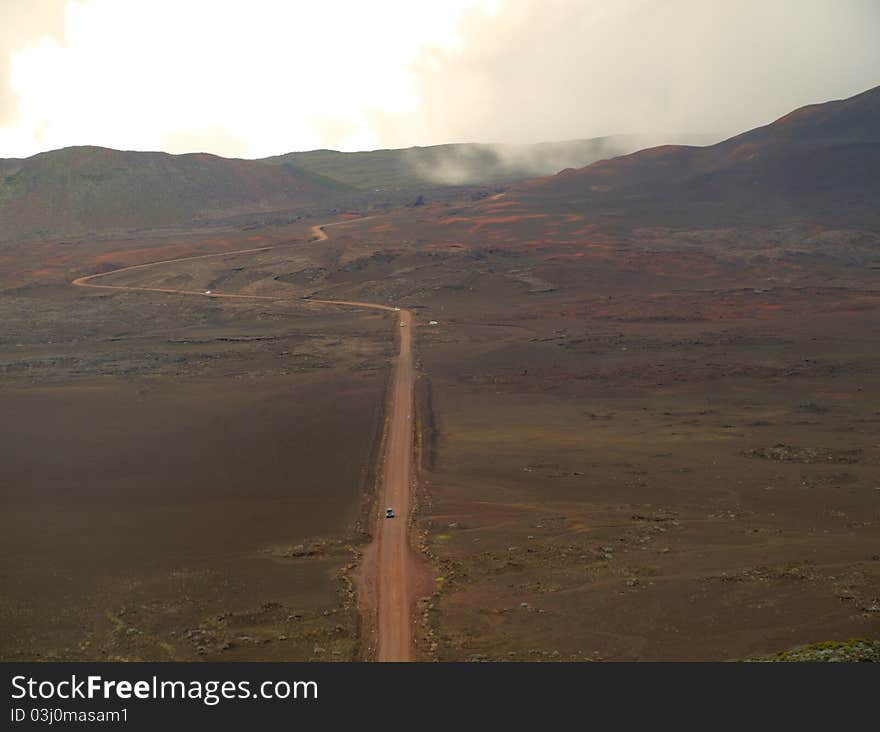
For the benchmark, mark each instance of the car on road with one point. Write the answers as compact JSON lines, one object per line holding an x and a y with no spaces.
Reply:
{"x":389,"y":513}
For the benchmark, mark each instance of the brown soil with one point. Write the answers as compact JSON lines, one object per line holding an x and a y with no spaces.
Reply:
{"x":635,"y":442}
{"x":670,"y":453}
{"x":389,"y":572}
{"x":163,"y":466}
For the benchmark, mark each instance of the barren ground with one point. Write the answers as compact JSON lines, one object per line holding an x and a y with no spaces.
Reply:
{"x":633,"y":443}
{"x":165,"y":475}
{"x":642,"y":445}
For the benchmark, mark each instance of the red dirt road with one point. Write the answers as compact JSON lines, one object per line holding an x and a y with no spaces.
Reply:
{"x":390,"y":564}
{"x":390,"y":570}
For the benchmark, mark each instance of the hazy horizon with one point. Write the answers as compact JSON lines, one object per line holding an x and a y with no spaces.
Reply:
{"x":704,"y":139}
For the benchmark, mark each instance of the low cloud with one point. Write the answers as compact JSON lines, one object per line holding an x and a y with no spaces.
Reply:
{"x":463,"y":164}
{"x":205,"y":139}
{"x":24,"y":23}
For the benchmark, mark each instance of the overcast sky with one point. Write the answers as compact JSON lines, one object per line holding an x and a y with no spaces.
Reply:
{"x":252,"y":78}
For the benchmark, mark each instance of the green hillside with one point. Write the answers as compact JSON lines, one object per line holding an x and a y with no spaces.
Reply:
{"x":87,"y":189}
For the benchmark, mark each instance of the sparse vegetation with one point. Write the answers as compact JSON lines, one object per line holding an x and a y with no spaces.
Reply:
{"x":857,"y":650}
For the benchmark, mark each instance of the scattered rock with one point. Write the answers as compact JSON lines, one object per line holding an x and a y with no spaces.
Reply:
{"x":789,"y":454}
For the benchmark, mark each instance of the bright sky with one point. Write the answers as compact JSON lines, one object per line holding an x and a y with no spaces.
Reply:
{"x":252,"y":78}
{"x":249,"y":78}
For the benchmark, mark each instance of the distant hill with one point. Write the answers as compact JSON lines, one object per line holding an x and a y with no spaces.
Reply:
{"x":459,"y":164}
{"x":820,"y":162}
{"x":86,"y":189}
{"x":81,"y":190}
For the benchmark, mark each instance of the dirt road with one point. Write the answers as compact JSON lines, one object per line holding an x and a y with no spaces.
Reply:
{"x":390,"y":569}
{"x":390,"y":564}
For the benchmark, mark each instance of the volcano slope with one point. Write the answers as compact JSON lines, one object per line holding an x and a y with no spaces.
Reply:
{"x":818,"y":163}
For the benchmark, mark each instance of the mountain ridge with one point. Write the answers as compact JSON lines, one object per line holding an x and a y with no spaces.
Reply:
{"x":84,"y":189}
{"x":821,"y":160}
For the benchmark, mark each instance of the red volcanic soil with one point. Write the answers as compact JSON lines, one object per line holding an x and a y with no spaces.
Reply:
{"x":58,"y":262}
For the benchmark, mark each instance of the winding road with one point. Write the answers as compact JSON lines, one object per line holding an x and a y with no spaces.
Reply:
{"x":389,"y":570}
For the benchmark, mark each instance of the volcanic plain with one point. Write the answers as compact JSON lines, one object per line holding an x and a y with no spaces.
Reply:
{"x":650,"y":444}
{"x":164,"y":468}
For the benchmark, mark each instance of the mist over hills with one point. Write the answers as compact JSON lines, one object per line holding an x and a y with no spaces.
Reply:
{"x":464,"y":163}
{"x":82,"y":190}
{"x":820,"y":162}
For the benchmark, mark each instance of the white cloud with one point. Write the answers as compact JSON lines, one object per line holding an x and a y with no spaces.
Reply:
{"x":23,"y":23}
{"x":134,"y":73}
{"x":562,"y":69}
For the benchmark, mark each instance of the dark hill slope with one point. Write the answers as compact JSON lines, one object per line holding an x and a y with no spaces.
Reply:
{"x":820,"y":162}
{"x":87,"y":189}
